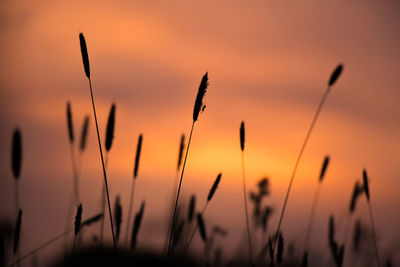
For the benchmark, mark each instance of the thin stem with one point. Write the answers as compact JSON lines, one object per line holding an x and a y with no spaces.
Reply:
{"x":195,"y":229}
{"x":102,"y":163}
{"x":321,"y":103}
{"x":130,"y":211}
{"x":103,"y":205}
{"x":246,"y":210}
{"x":179,"y":190}
{"x":175,"y":189}
{"x":374,"y":234}
{"x":44,"y":245}
{"x":311,"y":219}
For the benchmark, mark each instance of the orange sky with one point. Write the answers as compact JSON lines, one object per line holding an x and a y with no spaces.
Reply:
{"x":268,"y":65}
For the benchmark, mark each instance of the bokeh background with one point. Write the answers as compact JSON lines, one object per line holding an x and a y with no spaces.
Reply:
{"x":268,"y":64}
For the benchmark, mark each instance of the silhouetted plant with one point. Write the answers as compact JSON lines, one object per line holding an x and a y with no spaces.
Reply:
{"x":16,"y":162}
{"x":136,"y":226}
{"x":117,"y":216}
{"x":279,"y":253}
{"x":178,"y":234}
{"x":76,"y":165}
{"x":257,"y":198}
{"x":84,"y":133}
{"x":85,"y":59}
{"x":131,"y":196}
{"x":202,"y":227}
{"x":216,"y":231}
{"x":242,"y":140}
{"x":315,"y":202}
{"x":71,"y":135}
{"x":175,"y":188}
{"x":336,"y":251}
{"x":334,"y":76}
{"x":85,"y":223}
{"x":209,"y":198}
{"x":192,"y":208}
{"x":366,"y":190}
{"x":107,"y":144}
{"x":198,"y":106}
{"x":78,"y":220}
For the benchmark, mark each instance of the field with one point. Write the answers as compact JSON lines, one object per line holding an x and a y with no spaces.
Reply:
{"x":226,"y":138}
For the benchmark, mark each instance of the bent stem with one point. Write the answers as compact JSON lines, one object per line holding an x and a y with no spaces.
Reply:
{"x":44,"y":245}
{"x":246,"y":210}
{"x":179,"y":190}
{"x":321,"y":103}
{"x":102,"y":163}
{"x":130,"y":211}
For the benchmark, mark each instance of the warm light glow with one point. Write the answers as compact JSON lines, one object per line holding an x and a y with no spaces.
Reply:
{"x":268,"y":64}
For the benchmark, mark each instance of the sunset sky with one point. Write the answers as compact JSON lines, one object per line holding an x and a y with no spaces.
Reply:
{"x":268,"y":64}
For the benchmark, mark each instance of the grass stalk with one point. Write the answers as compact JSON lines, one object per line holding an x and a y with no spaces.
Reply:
{"x":103,"y":205}
{"x":103,"y":165}
{"x":194,"y":230}
{"x":314,"y":203}
{"x":175,"y":188}
{"x":367,"y":194}
{"x":179,"y":190}
{"x":135,"y":174}
{"x":335,"y":75}
{"x":199,"y":106}
{"x":85,"y":59}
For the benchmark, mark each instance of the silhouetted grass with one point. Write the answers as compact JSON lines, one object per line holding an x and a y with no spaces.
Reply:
{"x":108,"y":145}
{"x":315,"y":202}
{"x":191,"y":209}
{"x":85,"y":59}
{"x":336,"y":250}
{"x":76,"y":164}
{"x":175,"y":189}
{"x":136,"y":226}
{"x":334,"y":76}
{"x":246,"y":212}
{"x":131,"y":196}
{"x":78,"y":220}
{"x":198,"y":106}
{"x":366,"y":190}
{"x":85,"y":223}
{"x":71,"y":136}
{"x":16,"y":162}
{"x":117,"y":216}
